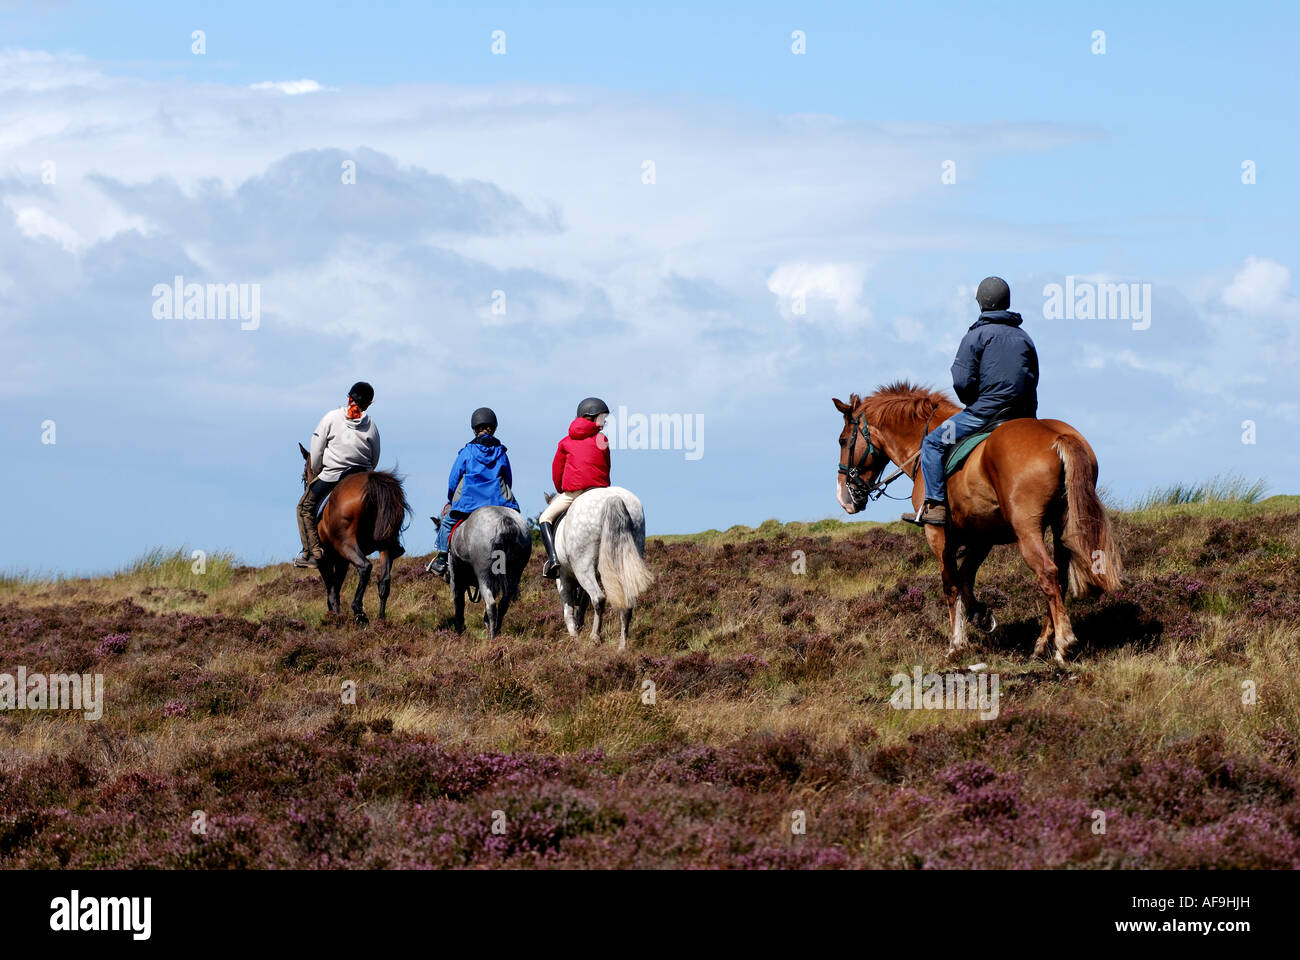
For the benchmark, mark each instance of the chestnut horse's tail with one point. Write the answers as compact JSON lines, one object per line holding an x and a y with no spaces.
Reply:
{"x":384,"y":497}
{"x":1094,"y":553}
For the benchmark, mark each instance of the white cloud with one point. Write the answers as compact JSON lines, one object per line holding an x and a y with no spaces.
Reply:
{"x":35,"y":222}
{"x":291,"y":87}
{"x":1260,"y":285}
{"x":839,"y":283}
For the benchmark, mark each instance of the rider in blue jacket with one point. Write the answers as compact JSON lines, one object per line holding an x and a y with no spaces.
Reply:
{"x":995,"y":375}
{"x":480,"y":477}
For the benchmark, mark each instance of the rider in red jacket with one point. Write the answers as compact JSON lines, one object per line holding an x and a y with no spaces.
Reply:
{"x":581,"y":463}
{"x":581,"y":458}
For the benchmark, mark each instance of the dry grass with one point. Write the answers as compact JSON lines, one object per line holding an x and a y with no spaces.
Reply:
{"x":229,"y":662}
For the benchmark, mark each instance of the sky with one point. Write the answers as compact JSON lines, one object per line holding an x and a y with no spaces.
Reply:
{"x":664,"y":206}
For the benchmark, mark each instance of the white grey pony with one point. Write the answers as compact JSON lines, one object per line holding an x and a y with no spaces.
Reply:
{"x":489,"y":551}
{"x":600,"y":543}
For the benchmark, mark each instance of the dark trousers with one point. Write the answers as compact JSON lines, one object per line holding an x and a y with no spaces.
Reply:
{"x":316,"y":491}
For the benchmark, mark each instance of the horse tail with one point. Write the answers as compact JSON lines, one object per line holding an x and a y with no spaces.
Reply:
{"x":1087,"y":532}
{"x":623,"y":573}
{"x":508,"y":541}
{"x":384,"y":497}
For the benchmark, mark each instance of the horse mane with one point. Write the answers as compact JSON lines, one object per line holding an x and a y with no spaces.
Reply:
{"x":384,"y":494}
{"x":901,"y":401}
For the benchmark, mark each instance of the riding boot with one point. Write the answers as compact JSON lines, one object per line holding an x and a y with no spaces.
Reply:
{"x":307,"y":534}
{"x":551,"y":568}
{"x":438,"y":565}
{"x":932,"y":513}
{"x":314,"y":550}
{"x":302,"y":559}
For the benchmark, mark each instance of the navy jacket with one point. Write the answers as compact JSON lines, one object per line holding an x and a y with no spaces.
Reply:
{"x":996,"y":370}
{"x":481,"y":477}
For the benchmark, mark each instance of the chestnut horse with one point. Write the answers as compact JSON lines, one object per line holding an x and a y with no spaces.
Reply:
{"x":365,"y":512}
{"x":1029,"y":476}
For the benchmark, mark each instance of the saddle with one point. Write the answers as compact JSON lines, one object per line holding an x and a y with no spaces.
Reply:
{"x":964,"y":449}
{"x":452,"y":532}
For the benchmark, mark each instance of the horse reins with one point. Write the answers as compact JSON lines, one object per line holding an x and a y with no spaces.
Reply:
{"x":853,"y":470}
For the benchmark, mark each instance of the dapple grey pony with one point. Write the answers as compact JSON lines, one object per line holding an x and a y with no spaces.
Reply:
{"x":490,"y":550}
{"x":600,"y":543}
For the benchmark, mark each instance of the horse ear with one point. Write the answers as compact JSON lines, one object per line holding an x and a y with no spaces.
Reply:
{"x":842,"y":407}
{"x":303,"y":450}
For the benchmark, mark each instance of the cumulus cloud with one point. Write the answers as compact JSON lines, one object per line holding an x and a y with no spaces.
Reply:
{"x":290,"y":87}
{"x":798,"y":286}
{"x":499,"y":245}
{"x":1259,"y":286}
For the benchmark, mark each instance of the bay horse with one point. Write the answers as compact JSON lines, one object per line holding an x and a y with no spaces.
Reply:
{"x":365,"y":512}
{"x":1029,"y":476}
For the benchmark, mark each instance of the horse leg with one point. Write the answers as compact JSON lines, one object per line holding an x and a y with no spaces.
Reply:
{"x":597,"y":616}
{"x":569,"y":597}
{"x":503,"y":604}
{"x":1033,"y":548}
{"x":382,"y":586}
{"x":333,"y":569}
{"x":945,"y":548}
{"x":359,"y":560}
{"x":625,"y":624}
{"x":1064,"y":631}
{"x":458,"y":609}
{"x":489,"y":610}
{"x":969,"y":556}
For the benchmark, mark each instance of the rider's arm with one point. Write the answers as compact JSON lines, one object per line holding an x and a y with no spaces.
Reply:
{"x":453,"y":478}
{"x":318,"y":441}
{"x":374,"y":463}
{"x":966,"y":369}
{"x":557,"y":467}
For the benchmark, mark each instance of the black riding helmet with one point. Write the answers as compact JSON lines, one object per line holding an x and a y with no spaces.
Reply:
{"x":592,"y":407}
{"x":483,"y":417}
{"x":993,"y":294}
{"x":361,"y":393}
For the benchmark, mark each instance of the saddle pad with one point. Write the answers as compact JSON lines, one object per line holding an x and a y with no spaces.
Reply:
{"x":320,"y":507}
{"x":966,"y":448}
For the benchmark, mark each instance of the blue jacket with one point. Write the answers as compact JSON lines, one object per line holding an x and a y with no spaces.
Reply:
{"x":481,"y":477}
{"x":996,"y":370}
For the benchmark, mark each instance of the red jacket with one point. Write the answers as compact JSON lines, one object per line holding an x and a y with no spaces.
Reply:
{"x":581,"y":458}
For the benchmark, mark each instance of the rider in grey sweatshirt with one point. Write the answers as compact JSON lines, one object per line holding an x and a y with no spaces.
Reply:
{"x":340,"y":445}
{"x":346,"y":441}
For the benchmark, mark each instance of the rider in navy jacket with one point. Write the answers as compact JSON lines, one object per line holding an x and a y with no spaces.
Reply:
{"x":996,"y":370}
{"x":480,"y":477}
{"x":995,"y":375}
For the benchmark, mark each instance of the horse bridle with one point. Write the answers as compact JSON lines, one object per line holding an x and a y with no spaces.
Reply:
{"x":853,"y":470}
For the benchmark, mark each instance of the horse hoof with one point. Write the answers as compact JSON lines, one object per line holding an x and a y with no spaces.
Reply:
{"x":362,"y":619}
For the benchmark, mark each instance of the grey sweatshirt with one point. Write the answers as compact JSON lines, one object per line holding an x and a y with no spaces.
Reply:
{"x":340,"y":444}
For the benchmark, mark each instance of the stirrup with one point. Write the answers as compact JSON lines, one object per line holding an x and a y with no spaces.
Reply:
{"x":551,"y":569}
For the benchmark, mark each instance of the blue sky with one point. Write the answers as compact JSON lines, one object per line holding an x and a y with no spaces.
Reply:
{"x":776,"y":174}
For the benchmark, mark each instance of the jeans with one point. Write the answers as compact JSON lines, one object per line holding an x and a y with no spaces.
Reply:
{"x":449,"y":518}
{"x":935,"y":447}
